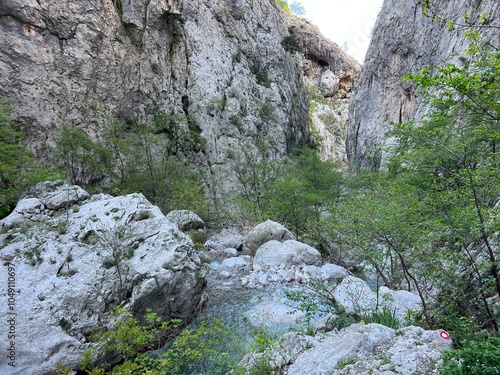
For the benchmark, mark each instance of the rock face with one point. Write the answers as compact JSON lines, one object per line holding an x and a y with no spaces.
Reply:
{"x":74,"y":265}
{"x":330,"y":75}
{"x":218,"y":64}
{"x":404,"y":42}
{"x":372,"y":349}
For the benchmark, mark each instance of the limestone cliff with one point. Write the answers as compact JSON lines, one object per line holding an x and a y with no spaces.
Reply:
{"x":220,"y":63}
{"x":330,"y":75}
{"x":404,"y":42}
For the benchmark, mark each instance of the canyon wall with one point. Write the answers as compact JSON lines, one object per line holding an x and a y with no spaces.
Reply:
{"x":404,"y":41}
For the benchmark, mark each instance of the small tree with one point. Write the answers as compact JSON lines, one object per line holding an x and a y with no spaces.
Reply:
{"x":116,"y":245}
{"x":452,"y":160}
{"x":85,"y":161}
{"x":18,"y":167}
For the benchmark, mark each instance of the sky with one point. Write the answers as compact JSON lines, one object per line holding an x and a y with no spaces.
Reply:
{"x":346,"y":22}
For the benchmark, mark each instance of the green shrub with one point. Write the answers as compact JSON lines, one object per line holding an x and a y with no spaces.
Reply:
{"x":85,"y":161}
{"x":198,"y":237}
{"x":18,"y":167}
{"x":384,"y":317}
{"x":209,"y":347}
{"x":283,"y":4}
{"x":475,"y":357}
{"x":344,"y":363}
{"x":291,"y":44}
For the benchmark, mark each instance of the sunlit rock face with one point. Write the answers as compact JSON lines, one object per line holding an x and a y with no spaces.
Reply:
{"x":404,"y":42}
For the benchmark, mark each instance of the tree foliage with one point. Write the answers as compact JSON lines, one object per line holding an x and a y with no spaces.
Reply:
{"x":148,"y":158}
{"x":208,"y":347}
{"x":83,"y":160}
{"x":18,"y":167}
{"x":296,"y":191}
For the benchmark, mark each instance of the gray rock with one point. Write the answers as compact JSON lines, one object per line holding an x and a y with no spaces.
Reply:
{"x":372,"y":349}
{"x":404,"y":42}
{"x":68,"y":280}
{"x":267,"y":231}
{"x":350,"y":343}
{"x":211,"y":61}
{"x":306,"y":254}
{"x":51,"y":195}
{"x":329,"y":83}
{"x":56,"y":195}
{"x":313,"y":271}
{"x":287,"y":348}
{"x":400,"y":301}
{"x":231,"y":252}
{"x":325,"y":324}
{"x":233,"y":262}
{"x":332,"y":271}
{"x":355,"y":295}
{"x":275,"y":253}
{"x":226,"y":238}
{"x":185,"y":220}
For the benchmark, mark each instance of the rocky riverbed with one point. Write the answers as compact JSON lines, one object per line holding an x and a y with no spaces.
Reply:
{"x":77,"y":256}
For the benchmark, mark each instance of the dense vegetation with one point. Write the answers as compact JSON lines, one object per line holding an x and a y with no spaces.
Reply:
{"x":18,"y":167}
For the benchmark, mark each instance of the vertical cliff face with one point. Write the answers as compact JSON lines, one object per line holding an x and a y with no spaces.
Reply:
{"x":220,"y":63}
{"x":330,"y":75}
{"x":404,"y":42}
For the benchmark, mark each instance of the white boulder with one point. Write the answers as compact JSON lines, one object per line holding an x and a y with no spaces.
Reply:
{"x":73,"y":267}
{"x":185,"y":220}
{"x":267,"y":231}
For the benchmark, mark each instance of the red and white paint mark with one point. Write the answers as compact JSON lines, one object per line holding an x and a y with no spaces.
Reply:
{"x":444,"y":335}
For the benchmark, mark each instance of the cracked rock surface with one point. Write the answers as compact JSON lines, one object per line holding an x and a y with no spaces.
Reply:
{"x":73,"y":265}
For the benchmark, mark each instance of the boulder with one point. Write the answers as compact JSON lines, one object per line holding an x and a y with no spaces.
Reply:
{"x":332,"y":272}
{"x":401,"y":302}
{"x":360,"y":348}
{"x":348,"y":344}
{"x":355,"y":296}
{"x":275,"y":253}
{"x":329,"y":83}
{"x":267,"y":231}
{"x":72,"y":269}
{"x":225,"y":239}
{"x":231,"y":252}
{"x":185,"y":220}
{"x":306,"y":254}
{"x":55,"y":195}
{"x":312,"y":271}
{"x":38,"y":202}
